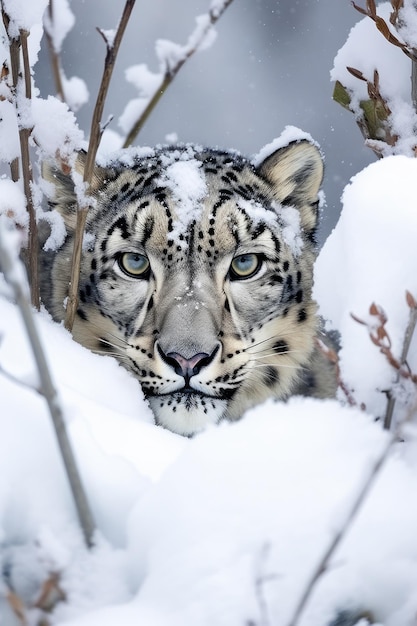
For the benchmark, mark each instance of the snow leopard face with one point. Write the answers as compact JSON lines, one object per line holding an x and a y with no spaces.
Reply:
{"x":198,"y":275}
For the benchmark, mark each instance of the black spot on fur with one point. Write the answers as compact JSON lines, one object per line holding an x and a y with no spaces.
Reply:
{"x":280,"y":347}
{"x":302,"y":315}
{"x":120,"y":224}
{"x":270,"y":376}
{"x":82,"y":315}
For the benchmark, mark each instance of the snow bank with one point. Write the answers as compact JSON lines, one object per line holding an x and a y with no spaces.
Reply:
{"x":215,"y":530}
{"x":371,"y":256}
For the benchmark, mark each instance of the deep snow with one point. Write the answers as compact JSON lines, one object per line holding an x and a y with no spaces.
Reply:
{"x":225,"y":528}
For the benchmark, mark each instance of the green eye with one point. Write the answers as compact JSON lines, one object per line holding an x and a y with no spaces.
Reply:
{"x":134,"y":264}
{"x":245,"y":266}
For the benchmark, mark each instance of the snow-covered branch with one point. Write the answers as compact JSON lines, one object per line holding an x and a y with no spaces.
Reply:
{"x":369,"y":74}
{"x":14,"y":274}
{"x":171,"y":58}
{"x":21,"y":94}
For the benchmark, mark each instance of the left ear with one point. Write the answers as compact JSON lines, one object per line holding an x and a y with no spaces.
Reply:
{"x":295,"y":173}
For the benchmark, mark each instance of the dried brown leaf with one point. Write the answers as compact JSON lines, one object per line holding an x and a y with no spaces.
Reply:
{"x":370,"y":5}
{"x":384,"y":29}
{"x":411,"y":301}
{"x":51,"y":593}
{"x":396,"y":5}
{"x":17,"y":606}
{"x":357,"y":73}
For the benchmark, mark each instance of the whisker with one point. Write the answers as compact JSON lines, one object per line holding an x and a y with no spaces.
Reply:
{"x":116,"y":355}
{"x":255,"y":345}
{"x":290,"y":367}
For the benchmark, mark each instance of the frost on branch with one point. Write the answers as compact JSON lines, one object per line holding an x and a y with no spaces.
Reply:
{"x":403,"y":390}
{"x":372,"y":76}
{"x":171,"y":56}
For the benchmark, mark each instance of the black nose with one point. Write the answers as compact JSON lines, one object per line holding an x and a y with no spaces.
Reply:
{"x":187,"y":367}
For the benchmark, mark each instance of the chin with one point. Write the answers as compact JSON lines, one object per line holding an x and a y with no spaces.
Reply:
{"x":187,"y":414}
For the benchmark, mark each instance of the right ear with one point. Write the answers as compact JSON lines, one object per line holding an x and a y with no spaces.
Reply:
{"x":63,"y":178}
{"x":295,"y":173}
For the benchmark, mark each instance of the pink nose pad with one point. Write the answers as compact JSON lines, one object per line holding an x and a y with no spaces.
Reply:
{"x":187,"y":367}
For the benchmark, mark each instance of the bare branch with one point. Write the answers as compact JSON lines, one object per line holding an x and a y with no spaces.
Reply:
{"x":24,"y":134}
{"x":14,"y":272}
{"x":412,"y":321}
{"x":16,"y":44}
{"x":53,"y":54}
{"x":171,"y":72}
{"x":17,"y":381}
{"x":95,"y":137}
{"x":333,"y":357}
{"x":360,"y":498}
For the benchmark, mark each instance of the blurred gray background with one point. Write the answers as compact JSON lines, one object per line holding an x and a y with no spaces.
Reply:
{"x":268,"y":68}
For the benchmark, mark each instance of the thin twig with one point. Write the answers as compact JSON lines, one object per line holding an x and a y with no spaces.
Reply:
{"x":171,"y":72}
{"x":53,"y":54}
{"x":14,"y":379}
{"x":15,"y":45}
{"x":24,"y":134}
{"x":340,"y":534}
{"x":323,"y":565}
{"x":95,"y":137}
{"x":411,"y":325}
{"x":13,"y":271}
{"x":414,"y":83}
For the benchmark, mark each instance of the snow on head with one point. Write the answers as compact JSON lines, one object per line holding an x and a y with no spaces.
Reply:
{"x":371,"y":256}
{"x":289,"y":135}
{"x":183,"y":176}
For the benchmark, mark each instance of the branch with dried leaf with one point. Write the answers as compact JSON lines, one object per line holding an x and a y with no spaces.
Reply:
{"x":380,"y":337}
{"x":14,"y":274}
{"x":333,"y":357}
{"x":375,"y":114}
{"x":50,"y":594}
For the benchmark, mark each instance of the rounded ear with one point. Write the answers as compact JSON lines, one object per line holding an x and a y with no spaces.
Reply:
{"x":295,"y":173}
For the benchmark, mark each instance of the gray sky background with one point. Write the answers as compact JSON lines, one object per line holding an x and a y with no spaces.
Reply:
{"x":268,"y":68}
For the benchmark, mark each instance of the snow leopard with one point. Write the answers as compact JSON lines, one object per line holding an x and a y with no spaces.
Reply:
{"x":197,"y":274}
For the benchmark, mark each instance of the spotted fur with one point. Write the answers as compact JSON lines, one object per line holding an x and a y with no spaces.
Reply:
{"x":205,"y":342}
